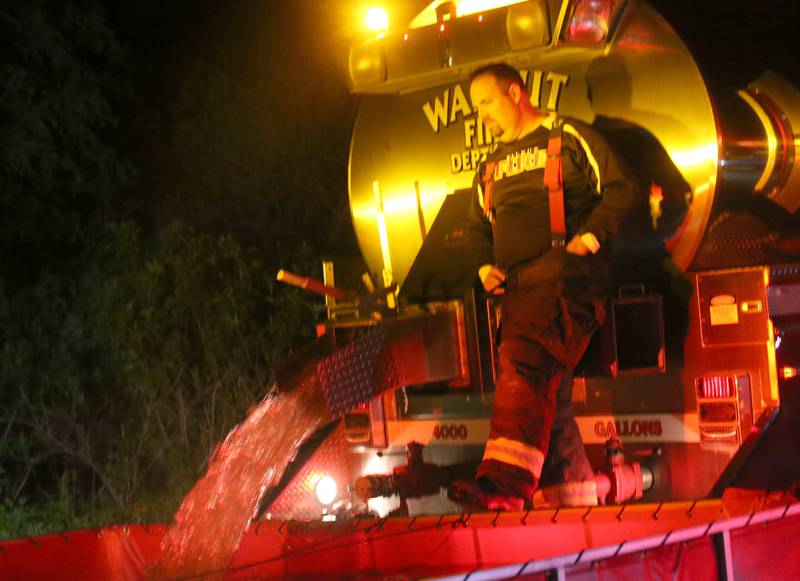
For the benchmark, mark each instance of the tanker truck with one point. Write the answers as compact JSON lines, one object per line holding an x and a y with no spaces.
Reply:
{"x":686,"y":368}
{"x":687,"y":398}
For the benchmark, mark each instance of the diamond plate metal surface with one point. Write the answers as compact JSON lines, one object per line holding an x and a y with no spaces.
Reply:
{"x":358,"y":371}
{"x":298,"y":501}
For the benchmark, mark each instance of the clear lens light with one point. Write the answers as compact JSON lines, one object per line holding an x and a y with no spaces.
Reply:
{"x":377,"y":19}
{"x":326,"y":490}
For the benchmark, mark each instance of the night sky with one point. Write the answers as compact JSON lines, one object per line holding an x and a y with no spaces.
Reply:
{"x":732,"y":38}
{"x":735,"y":40}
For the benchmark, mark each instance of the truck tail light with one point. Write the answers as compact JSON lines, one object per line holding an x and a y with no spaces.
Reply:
{"x":590,"y":21}
{"x":716,"y":387}
{"x":718,"y":412}
{"x":719,"y":407}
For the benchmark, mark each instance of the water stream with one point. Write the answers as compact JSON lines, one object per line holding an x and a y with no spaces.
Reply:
{"x":214,"y":516}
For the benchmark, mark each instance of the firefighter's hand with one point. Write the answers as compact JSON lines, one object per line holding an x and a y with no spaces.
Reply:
{"x":583,"y":244}
{"x":492,"y":278}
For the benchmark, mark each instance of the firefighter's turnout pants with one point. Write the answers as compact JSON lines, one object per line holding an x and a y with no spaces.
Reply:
{"x":549,"y":311}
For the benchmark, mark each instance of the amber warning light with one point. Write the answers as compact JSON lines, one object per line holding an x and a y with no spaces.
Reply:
{"x":377,"y":20}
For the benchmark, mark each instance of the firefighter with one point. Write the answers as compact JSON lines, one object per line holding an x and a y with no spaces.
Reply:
{"x":539,"y":232}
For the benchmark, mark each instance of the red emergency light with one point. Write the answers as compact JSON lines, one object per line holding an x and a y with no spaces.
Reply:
{"x":716,"y":387}
{"x":590,"y":21}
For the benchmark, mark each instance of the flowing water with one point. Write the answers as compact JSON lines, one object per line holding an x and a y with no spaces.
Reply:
{"x":214,"y":516}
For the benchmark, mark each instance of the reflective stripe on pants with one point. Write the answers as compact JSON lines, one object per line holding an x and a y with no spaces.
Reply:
{"x":568,"y":494}
{"x":516,"y":453}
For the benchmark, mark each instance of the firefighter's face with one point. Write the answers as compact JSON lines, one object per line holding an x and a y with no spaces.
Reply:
{"x":498,"y":109}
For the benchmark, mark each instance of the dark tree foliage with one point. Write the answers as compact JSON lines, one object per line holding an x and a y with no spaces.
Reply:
{"x":145,"y":206}
{"x":59,"y":172}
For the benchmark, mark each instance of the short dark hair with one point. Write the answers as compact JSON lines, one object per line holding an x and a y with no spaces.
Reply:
{"x":503,"y":73}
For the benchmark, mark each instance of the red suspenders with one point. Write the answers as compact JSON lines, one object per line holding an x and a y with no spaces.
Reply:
{"x":553,"y":182}
{"x":488,"y":182}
